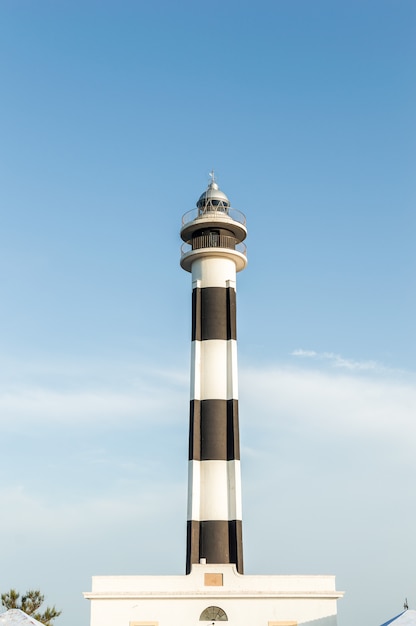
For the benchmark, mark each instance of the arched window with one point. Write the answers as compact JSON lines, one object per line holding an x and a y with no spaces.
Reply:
{"x":213,"y":613}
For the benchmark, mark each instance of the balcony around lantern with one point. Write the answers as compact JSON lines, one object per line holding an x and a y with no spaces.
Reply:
{"x":213,"y":246}
{"x":225,"y":218}
{"x":206,"y":241}
{"x":225,"y":214}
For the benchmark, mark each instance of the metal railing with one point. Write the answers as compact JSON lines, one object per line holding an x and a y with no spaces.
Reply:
{"x":213,"y":240}
{"x":222,"y":214}
{"x":219,"y":241}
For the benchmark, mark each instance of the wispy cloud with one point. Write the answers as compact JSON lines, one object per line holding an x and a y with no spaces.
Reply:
{"x":331,"y":402}
{"x":323,"y":444}
{"x":42,"y":404}
{"x":88,"y":393}
{"x":341,"y":397}
{"x":29,"y":510}
{"x":336,"y":360}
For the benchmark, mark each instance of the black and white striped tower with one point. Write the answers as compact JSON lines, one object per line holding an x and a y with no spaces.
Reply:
{"x":213,"y":252}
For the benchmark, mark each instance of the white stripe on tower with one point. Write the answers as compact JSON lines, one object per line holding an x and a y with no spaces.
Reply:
{"x":213,"y":252}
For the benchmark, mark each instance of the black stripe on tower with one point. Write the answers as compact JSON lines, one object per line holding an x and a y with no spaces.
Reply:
{"x":213,"y":313}
{"x":213,"y":430}
{"x":217,"y":541}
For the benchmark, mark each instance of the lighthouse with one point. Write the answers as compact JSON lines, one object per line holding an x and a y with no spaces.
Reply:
{"x":214,"y":588}
{"x":213,"y":252}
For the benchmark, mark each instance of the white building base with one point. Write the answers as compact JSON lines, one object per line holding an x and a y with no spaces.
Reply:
{"x":211,"y":594}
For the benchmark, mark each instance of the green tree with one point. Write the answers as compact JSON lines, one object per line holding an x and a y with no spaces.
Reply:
{"x":30,"y":603}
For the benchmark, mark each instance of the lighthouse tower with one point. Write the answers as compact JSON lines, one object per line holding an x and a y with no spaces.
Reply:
{"x":214,"y":589}
{"x":213,"y":252}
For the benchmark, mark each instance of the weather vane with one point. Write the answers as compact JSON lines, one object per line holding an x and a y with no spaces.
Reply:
{"x":212,"y":175}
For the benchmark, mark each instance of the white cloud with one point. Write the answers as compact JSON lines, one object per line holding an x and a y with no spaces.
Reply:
{"x":71,"y":395}
{"x":305,"y":353}
{"x":28,"y":511}
{"x":326,"y":452}
{"x":337,"y":360}
{"x":350,"y":397}
{"x":331,"y":402}
{"x":48,"y":404}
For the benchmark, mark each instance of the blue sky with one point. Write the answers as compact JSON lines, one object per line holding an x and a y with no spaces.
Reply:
{"x":112,"y":115}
